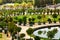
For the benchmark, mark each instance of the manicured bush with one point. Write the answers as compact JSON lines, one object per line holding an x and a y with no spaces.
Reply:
{"x":54,"y":15}
{"x":49,"y":20}
{"x":33,"y":19}
{"x":22,"y":35}
{"x":29,"y":19}
{"x":30,"y":32}
{"x":18,"y":29}
{"x":24,"y":20}
{"x":20,"y":21}
{"x":39,"y":32}
{"x":39,"y":23}
{"x":39,"y":17}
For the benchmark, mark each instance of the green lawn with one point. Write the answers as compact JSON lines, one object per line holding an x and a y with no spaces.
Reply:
{"x":3,"y":36}
{"x":43,"y":19}
{"x":0,"y":35}
{"x":44,"y":39}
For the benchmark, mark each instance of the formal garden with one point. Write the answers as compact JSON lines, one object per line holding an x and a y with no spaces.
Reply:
{"x":23,"y":13}
{"x":9,"y":19}
{"x":31,"y":16}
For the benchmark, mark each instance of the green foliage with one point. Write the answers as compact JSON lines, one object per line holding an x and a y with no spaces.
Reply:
{"x":2,"y":19}
{"x":59,"y":38}
{"x":37,"y":38}
{"x":54,"y":15}
{"x":0,"y":35}
{"x":29,"y":19}
{"x":39,"y":17}
{"x":10,"y":19}
{"x":18,"y":1}
{"x":33,"y":19}
{"x":57,"y":1}
{"x":59,"y":19}
{"x":30,"y":31}
{"x":16,"y":18}
{"x":55,"y":30}
{"x":42,"y":3}
{"x":39,"y":32}
{"x":18,"y":29}
{"x":31,"y":11}
{"x":24,"y":20}
{"x":3,"y":24}
{"x":52,"y":33}
{"x":20,"y":21}
{"x":22,"y":35}
{"x":49,"y":19}
{"x":1,"y":1}
{"x":12,"y":27}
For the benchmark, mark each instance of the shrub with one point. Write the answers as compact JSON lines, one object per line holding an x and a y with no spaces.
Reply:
{"x":22,"y":35}
{"x":39,"y":32}
{"x":37,"y":38}
{"x":39,"y":17}
{"x":24,"y":20}
{"x":20,"y":21}
{"x":54,"y":15}
{"x":33,"y":19}
{"x":29,"y":31}
{"x":29,"y":19}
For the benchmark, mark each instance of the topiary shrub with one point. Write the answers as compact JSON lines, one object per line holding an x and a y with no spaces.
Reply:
{"x":22,"y":35}
{"x":39,"y":32}
{"x":30,"y":32}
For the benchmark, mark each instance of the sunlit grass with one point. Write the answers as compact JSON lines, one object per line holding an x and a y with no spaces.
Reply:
{"x":43,"y":19}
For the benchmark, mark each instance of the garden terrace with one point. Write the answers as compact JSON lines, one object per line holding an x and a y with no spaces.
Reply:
{"x":37,"y":18}
{"x":36,"y":27}
{"x":32,"y":19}
{"x":20,"y":18}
